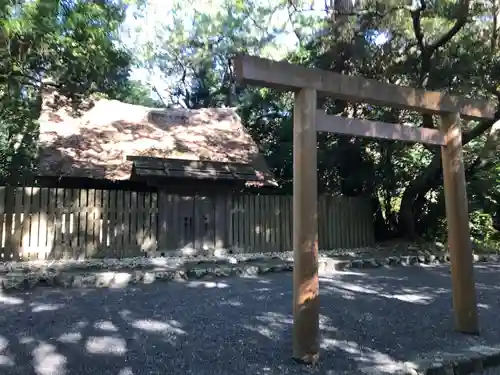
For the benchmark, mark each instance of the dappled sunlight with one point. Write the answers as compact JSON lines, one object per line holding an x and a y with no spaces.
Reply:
{"x":233,"y":303}
{"x":413,"y":298}
{"x":350,"y":290}
{"x":157,"y":326}
{"x":70,"y":338}
{"x":47,"y":361}
{"x":372,"y":360}
{"x":5,"y":359}
{"x":368,"y":320}
{"x":41,"y":307}
{"x":108,"y":345}
{"x":26,"y":340}
{"x":8,"y":300}
{"x":126,"y":371}
{"x":106,"y":325}
{"x":272,"y":325}
{"x":207,"y":284}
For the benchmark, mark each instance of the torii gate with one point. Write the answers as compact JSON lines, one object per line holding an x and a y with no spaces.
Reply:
{"x":307,"y":83}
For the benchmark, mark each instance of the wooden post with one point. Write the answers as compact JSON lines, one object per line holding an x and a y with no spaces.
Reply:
{"x":460,"y":246}
{"x":305,"y":229}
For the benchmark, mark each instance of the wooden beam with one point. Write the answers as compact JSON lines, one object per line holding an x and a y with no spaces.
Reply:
{"x":285,"y":76}
{"x":305,"y":230}
{"x":457,"y":216}
{"x":377,"y":129}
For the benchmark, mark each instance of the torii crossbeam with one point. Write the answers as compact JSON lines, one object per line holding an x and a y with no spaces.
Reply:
{"x":307,"y":83}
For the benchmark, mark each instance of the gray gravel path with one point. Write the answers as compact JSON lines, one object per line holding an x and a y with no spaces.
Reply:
{"x":370,"y":319}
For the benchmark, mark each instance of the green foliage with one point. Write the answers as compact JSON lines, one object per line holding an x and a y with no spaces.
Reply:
{"x":135,"y":92}
{"x":69,"y":45}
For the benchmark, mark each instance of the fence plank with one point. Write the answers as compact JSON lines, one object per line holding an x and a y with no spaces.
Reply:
{"x":105,"y":223}
{"x":120,"y":231}
{"x":44,"y":222}
{"x":90,"y":223}
{"x":134,"y":246}
{"x":162,"y":220}
{"x":59,"y":223}
{"x":98,"y":222}
{"x":112,"y":227}
{"x":10,"y":208}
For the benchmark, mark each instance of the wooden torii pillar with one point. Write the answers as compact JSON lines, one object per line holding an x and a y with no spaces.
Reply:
{"x":307,"y":83}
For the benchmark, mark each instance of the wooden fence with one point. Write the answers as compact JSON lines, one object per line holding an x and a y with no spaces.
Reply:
{"x":50,"y":223}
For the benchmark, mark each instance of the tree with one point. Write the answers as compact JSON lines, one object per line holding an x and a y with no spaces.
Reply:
{"x":446,"y":46}
{"x":68,"y":45}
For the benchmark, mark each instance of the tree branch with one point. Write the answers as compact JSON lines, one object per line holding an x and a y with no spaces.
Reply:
{"x":417,"y":27}
{"x":462,"y":15}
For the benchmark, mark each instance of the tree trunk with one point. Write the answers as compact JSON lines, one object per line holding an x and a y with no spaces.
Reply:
{"x":416,"y":189}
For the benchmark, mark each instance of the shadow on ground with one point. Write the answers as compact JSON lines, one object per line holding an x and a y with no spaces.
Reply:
{"x":370,"y":319}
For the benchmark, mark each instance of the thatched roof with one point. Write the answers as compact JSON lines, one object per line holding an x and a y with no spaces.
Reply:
{"x":97,"y":143}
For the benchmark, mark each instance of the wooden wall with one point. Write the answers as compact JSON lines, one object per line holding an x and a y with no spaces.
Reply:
{"x":55,"y":223}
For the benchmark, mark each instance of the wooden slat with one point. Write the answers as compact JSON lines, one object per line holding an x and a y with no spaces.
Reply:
{"x":377,"y":129}
{"x":176,"y":223}
{"x":17,"y":223}
{"x":91,"y":234}
{"x":98,"y":217}
{"x":269,"y":209}
{"x":72,"y":202}
{"x":120,"y":231}
{"x":221,"y":221}
{"x":151,"y":213}
{"x":276,"y":223}
{"x":252,"y":218}
{"x":81,"y":222}
{"x":134,"y":213}
{"x":282,"y":75}
{"x":26,"y":221}
{"x":240,"y":223}
{"x":112,"y":226}
{"x":229,"y":220}
{"x":34,"y":248}
{"x":44,"y":222}
{"x":57,"y":240}
{"x":105,"y":234}
{"x":139,"y":234}
{"x":163,"y":221}
{"x":198,"y":221}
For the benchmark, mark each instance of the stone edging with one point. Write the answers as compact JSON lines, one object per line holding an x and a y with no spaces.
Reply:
{"x":460,"y":362}
{"x":119,"y":273}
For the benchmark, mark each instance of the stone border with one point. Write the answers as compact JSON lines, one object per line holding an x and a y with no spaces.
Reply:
{"x":460,"y":362}
{"x":120,"y":273}
{"x":328,"y":264}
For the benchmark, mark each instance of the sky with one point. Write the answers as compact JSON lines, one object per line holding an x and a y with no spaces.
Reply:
{"x":139,"y":31}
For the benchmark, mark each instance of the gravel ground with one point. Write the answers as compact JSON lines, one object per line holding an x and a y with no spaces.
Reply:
{"x":370,"y":319}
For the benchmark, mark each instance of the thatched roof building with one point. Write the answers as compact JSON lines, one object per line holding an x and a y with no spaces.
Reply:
{"x":117,"y":141}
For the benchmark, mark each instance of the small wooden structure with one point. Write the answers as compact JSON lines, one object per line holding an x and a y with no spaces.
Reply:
{"x":307,"y":83}
{"x":196,"y":158}
{"x":172,"y":148}
{"x":119,"y":180}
